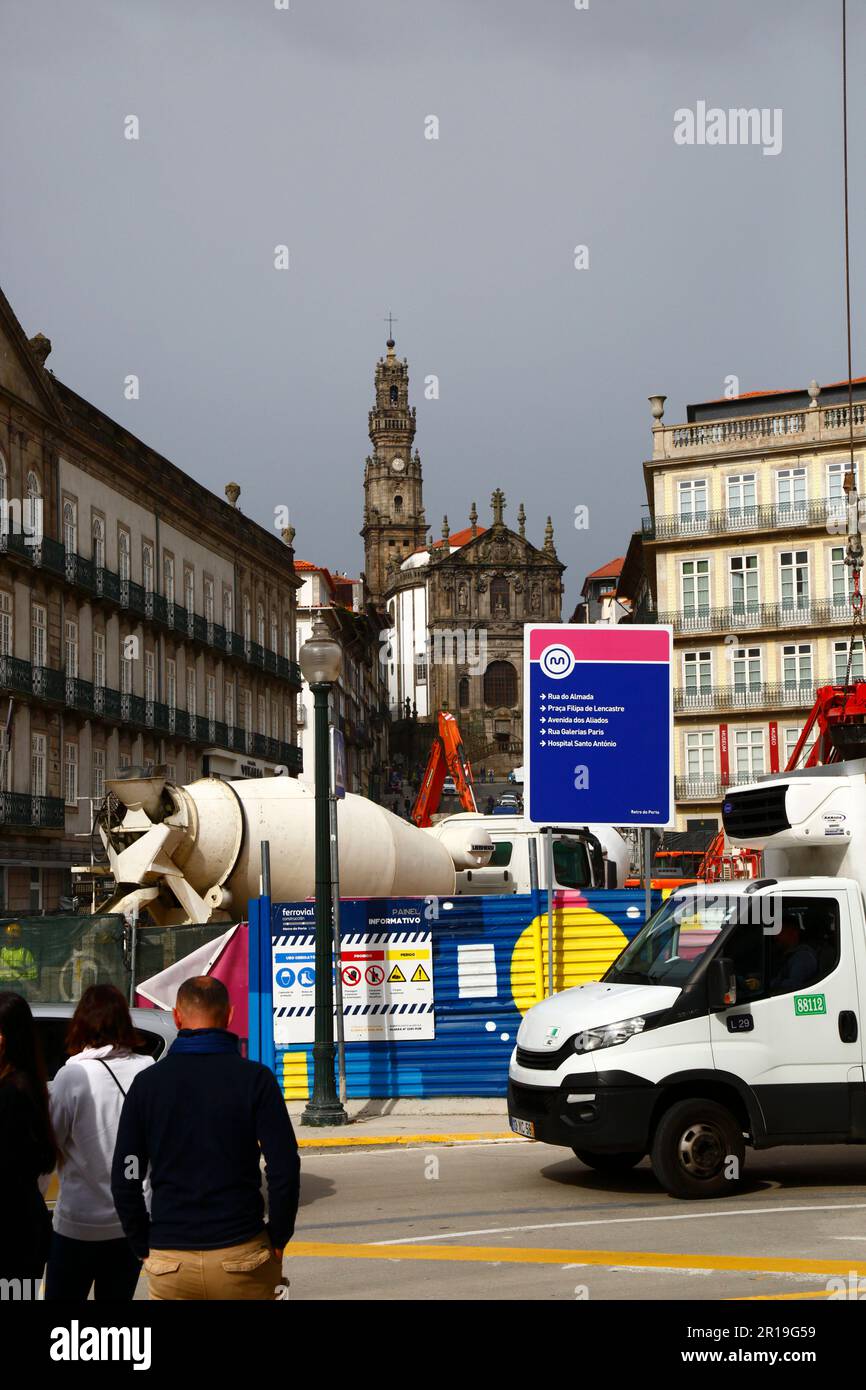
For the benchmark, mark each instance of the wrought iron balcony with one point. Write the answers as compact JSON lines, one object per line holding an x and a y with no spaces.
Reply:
{"x":736,"y":520}
{"x":108,"y":584}
{"x":80,"y":572}
{"x":79,"y":694}
{"x":736,"y":619}
{"x":16,"y":675}
{"x":49,"y":684}
{"x":15,"y":542}
{"x":759,"y":695}
{"x":710,"y":788}
{"x":132,"y":708}
{"x":21,"y":810}
{"x":106,"y":702}
{"x":50,"y":555}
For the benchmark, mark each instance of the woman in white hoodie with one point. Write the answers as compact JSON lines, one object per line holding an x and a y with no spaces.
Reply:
{"x":88,"y":1247}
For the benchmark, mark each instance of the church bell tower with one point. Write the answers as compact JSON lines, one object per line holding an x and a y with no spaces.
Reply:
{"x":394,"y":522}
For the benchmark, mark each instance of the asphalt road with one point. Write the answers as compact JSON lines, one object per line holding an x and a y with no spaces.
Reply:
{"x":515,"y":1220}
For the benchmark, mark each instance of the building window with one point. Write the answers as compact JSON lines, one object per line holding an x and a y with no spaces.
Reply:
{"x":421,"y":668}
{"x":247,"y":615}
{"x":208,"y":600}
{"x":398,"y":504}
{"x":70,"y":774}
{"x":697,"y":671}
{"x":700,"y":755}
{"x":747,"y":668}
{"x":749,"y":754}
{"x":229,"y":703}
{"x":190,"y":694}
{"x":742,"y":496}
{"x":287,"y":640}
{"x":500,"y":684}
{"x":191,"y":771}
{"x":695,"y":576}
{"x":97,"y":542}
{"x":125,"y":667}
{"x":37,"y":764}
{"x":275,"y":719}
{"x":275,"y":632}
{"x":171,"y":683}
{"x":171,"y":772}
{"x":836,"y":472}
{"x":98,"y":658}
{"x":98,"y":776}
{"x":123,"y":762}
{"x":35,"y":890}
{"x":70,"y":647}
{"x":70,"y":526}
{"x":794,"y":574}
{"x":744,"y":581}
{"x":4,"y":499}
{"x":147,"y":567}
{"x":38,"y":618}
{"x":463,"y":693}
{"x":840,"y":577}
{"x":797,"y":665}
{"x":287,"y":722}
{"x":791,"y":492}
{"x":692,"y":499}
{"x":189,"y":592}
{"x":228,"y":610}
{"x":168,"y":578}
{"x":149,"y":676}
{"x":33,"y":487}
{"x":263,"y":716}
{"x":792,"y":738}
{"x":500,"y":597}
{"x":247,"y":710}
{"x":260,"y":624}
{"x":123,"y":553}
{"x":840,"y":661}
{"x":210,"y":697}
{"x":5,"y":623}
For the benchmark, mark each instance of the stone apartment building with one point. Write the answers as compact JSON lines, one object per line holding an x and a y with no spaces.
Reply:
{"x":744,"y":548}
{"x":143,"y":621}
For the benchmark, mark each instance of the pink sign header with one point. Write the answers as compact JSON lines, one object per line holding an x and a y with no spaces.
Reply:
{"x":593,"y":643}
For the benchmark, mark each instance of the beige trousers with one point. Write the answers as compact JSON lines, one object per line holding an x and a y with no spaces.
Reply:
{"x":247,"y":1271}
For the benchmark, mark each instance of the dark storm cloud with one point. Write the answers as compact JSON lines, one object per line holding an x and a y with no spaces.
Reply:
{"x":261,"y":127}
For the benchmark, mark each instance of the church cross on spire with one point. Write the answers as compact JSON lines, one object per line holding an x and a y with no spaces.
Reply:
{"x":390,"y":320}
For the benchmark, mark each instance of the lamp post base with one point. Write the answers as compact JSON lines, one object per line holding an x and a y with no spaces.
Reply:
{"x":327,"y":1114}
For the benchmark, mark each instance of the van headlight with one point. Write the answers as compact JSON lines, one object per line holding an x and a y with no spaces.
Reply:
{"x":608,"y":1036}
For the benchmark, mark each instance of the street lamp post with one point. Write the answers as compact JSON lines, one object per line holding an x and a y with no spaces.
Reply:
{"x":320,"y":659}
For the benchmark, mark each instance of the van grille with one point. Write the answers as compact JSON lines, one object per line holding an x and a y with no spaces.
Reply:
{"x":755,"y":813}
{"x":546,"y":1061}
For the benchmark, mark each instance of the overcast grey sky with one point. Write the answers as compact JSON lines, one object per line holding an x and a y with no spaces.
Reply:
{"x":306,"y":127}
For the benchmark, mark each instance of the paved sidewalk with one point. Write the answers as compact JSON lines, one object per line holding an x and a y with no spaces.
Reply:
{"x":406,"y":1123}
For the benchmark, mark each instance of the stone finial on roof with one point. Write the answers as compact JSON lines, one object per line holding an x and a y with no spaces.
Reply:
{"x":233,"y":492}
{"x":521,"y":519}
{"x":548,"y":537}
{"x":41,"y":347}
{"x":497,"y":502}
{"x":446,"y":529}
{"x":473,"y":517}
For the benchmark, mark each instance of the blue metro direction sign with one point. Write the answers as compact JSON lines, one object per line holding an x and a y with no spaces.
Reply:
{"x":598,"y":724}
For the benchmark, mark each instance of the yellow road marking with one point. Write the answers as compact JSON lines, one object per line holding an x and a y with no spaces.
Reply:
{"x":349,"y":1140}
{"x":779,"y":1297}
{"x":645,"y":1259}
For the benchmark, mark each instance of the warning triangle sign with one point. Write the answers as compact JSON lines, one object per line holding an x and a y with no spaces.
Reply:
{"x":397,"y":976}
{"x":420,"y":977}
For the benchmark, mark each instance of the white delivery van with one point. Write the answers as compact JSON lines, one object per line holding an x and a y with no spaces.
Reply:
{"x":732,"y":1019}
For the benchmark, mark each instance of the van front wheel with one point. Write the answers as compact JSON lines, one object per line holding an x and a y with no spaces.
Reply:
{"x":608,"y":1163}
{"x":698,"y":1150}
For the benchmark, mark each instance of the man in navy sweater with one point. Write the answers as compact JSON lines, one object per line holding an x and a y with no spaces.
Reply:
{"x":199,"y":1122}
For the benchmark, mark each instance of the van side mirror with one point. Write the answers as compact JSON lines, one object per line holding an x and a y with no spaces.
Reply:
{"x":721,"y":984}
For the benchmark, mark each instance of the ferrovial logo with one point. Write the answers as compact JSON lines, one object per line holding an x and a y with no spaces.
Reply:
{"x":77,"y":1343}
{"x":737,"y":126}
{"x":556,"y":661}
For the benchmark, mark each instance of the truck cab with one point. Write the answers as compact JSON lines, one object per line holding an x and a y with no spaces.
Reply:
{"x":593,"y":857}
{"x":732,"y":1019}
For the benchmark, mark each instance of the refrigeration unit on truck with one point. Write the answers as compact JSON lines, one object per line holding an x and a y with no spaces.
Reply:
{"x":733,"y":1018}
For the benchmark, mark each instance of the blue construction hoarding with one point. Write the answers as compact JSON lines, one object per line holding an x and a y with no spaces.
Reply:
{"x":478,"y":964}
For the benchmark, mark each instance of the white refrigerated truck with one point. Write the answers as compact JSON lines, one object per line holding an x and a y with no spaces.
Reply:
{"x":733,"y":1019}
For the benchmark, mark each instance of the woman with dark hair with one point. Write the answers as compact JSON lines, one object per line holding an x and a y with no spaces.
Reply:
{"x":88,"y":1247}
{"x":27,"y":1148}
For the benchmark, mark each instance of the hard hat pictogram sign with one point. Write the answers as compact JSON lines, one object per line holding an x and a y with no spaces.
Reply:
{"x":397,"y":976}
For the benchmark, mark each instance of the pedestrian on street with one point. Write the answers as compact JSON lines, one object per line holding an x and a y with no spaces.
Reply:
{"x":17,"y":965}
{"x":201,"y":1120}
{"x":489,"y":807}
{"x":88,"y":1247}
{"x":27,"y":1149}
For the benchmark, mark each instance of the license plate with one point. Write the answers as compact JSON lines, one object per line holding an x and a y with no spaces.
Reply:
{"x":524,"y":1127}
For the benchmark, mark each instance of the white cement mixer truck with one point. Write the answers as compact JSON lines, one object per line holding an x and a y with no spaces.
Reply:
{"x":192,"y":854}
{"x":733,"y":1018}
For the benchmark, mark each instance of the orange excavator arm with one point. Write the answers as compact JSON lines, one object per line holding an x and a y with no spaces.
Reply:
{"x":446,"y":756}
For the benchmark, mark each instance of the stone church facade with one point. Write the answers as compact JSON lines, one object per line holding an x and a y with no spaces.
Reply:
{"x":456,"y":607}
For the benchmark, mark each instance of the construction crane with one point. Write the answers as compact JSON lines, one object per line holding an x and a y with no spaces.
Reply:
{"x":446,"y":756}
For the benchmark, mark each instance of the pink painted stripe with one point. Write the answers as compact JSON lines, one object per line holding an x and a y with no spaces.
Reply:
{"x":604,"y":643}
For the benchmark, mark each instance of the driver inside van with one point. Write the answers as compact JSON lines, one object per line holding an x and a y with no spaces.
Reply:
{"x":798,"y":965}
